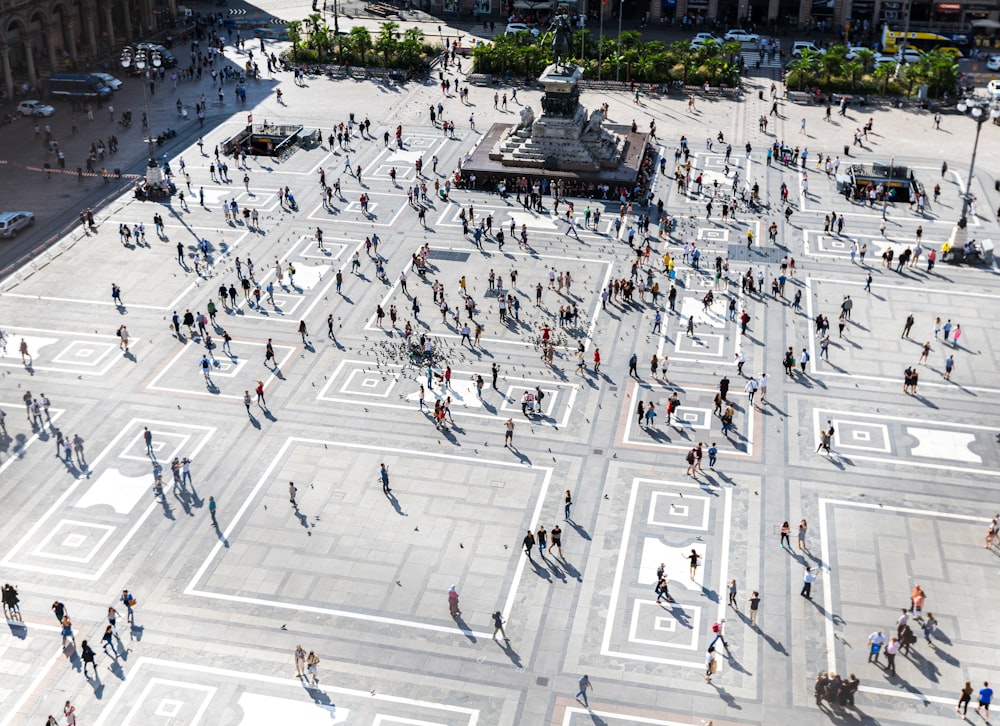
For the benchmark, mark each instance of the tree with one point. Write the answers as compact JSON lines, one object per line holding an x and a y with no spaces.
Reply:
{"x":361,"y":42}
{"x":387,"y":41}
{"x":884,"y":72}
{"x":295,"y":36}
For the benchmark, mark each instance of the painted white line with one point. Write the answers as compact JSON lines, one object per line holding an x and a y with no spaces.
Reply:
{"x":243,"y":677}
{"x":593,"y":714}
{"x":30,"y":690}
{"x":195,"y":391}
{"x":193,"y":590}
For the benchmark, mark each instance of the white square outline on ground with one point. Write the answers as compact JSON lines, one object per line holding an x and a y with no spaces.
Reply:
{"x":717,"y":338}
{"x":138,"y":439}
{"x":703,"y":527}
{"x":14,"y":361}
{"x":572,"y":388}
{"x":390,"y":384}
{"x":307,"y":248}
{"x":208,"y":691}
{"x":630,"y":421}
{"x":245,"y":678}
{"x":199,"y":380}
{"x":590,"y":714}
{"x":588,"y":337}
{"x":616,"y":584}
{"x":352,"y":196}
{"x":54,"y":414}
{"x":831,"y":643}
{"x":634,"y":623}
{"x":109,"y":348}
{"x":381,"y":718}
{"x":193,"y":590}
{"x":108,"y":530}
{"x":825,"y":413}
{"x":32,"y":532}
{"x":838,"y":425}
{"x":921,"y":291}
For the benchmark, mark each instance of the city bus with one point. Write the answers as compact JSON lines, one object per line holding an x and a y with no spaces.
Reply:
{"x":892,"y":42}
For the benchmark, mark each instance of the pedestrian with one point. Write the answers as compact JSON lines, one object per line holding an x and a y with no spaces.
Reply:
{"x":508,"y":437}
{"x":129,"y":601}
{"x":693,"y":560}
{"x":581,"y":695}
{"x":66,"y":630}
{"x":785,"y":541}
{"x":754,"y":601}
{"x":498,"y":626}
{"x":890,"y":654}
{"x":802,"y":536}
{"x":69,"y":712}
{"x":453,"y":601}
{"x":383,"y":472}
{"x":107,"y":641}
{"x":928,"y":626}
{"x":876,"y":641}
{"x":963,"y":699}
{"x":949,"y":366}
{"x":528,"y":542}
{"x":807,"y":582}
{"x":567,"y":504}
{"x":718,"y":628}
{"x":292,"y":491}
{"x":711,"y":664}
{"x":312,"y":660}
{"x":985,"y":698}
{"x":300,"y":661}
{"x":732,"y":595}
{"x":555,"y":540}
{"x":260,"y":395}
{"x":89,"y":657}
{"x":907,"y":326}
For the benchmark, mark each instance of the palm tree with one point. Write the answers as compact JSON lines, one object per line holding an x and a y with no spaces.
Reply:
{"x":832,"y":62}
{"x":865,"y":57}
{"x":853,"y":68}
{"x":361,"y":42}
{"x":411,"y":50}
{"x":884,"y":72}
{"x":387,"y":41}
{"x":295,"y":36}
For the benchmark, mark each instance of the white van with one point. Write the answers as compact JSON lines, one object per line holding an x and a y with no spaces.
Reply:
{"x":993,"y":88}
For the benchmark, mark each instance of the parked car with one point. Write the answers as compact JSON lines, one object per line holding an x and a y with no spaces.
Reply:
{"x":513,"y":28}
{"x":993,"y":89}
{"x":881,"y":59}
{"x":109,"y":80}
{"x":34,"y":108}
{"x":703,"y":38}
{"x":13,"y":222}
{"x":910,"y":55}
{"x":853,"y":50}
{"x":800,"y":45}
{"x":993,"y":64}
{"x":743,"y":36}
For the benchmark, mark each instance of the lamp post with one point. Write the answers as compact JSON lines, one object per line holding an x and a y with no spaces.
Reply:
{"x":981,"y":110}
{"x":143,"y":59}
{"x":618,"y":66}
{"x":600,"y":40}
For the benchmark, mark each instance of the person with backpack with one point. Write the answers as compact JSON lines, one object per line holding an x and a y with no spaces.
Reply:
{"x":718,"y":629}
{"x":129,"y":601}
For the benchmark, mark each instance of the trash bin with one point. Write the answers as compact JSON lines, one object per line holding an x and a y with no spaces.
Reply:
{"x":847,"y":150}
{"x":118,"y":173}
{"x":996,"y":185}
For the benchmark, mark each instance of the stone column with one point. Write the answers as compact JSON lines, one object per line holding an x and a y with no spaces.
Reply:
{"x":50,"y":46}
{"x":109,"y":26}
{"x":127,"y":15}
{"x":8,"y":77}
{"x":88,"y":25}
{"x":681,"y":10}
{"x":772,"y":10}
{"x":713,"y":8}
{"x":70,"y":34}
{"x":30,"y":57}
{"x":805,"y":10}
{"x":172,"y":4}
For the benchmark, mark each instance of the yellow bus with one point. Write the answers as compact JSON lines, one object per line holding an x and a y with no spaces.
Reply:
{"x":893,"y":42}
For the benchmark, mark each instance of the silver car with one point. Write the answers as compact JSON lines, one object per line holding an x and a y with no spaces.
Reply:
{"x":13,"y":222}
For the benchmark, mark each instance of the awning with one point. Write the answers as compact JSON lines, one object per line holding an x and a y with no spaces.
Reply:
{"x":990,"y":24}
{"x":534,"y":5}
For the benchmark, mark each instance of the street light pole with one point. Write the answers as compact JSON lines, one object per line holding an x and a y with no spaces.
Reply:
{"x":142,"y":59}
{"x":600,"y":40}
{"x":981,"y":111}
{"x":618,"y":66}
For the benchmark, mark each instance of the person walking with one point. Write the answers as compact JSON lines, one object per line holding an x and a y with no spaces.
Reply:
{"x":693,"y":560}
{"x":129,"y":601}
{"x":732,"y":595}
{"x":300,"y":661}
{"x":528,"y":542}
{"x":89,"y":658}
{"x":292,"y":491}
{"x":985,"y":699}
{"x":567,"y":505}
{"x":585,"y":685}
{"x":786,"y":530}
{"x":312,"y":661}
{"x":211,"y":511}
{"x":754,"y":601}
{"x":508,"y":437}
{"x":711,"y":665}
{"x":453,"y":601}
{"x":107,"y":641}
{"x":498,"y":626}
{"x":807,"y":582}
{"x":555,"y":540}
{"x":890,"y":654}
{"x":876,"y":641}
{"x":802,"y":536}
{"x":383,"y":473}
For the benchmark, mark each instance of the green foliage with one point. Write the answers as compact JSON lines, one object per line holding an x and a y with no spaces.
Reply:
{"x":314,"y":42}
{"x":652,"y":62}
{"x":834,"y":73}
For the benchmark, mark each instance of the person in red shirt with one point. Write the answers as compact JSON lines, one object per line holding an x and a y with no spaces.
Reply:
{"x":597,"y":360}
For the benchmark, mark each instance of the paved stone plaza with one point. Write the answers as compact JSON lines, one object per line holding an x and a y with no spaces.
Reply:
{"x":361,"y":576}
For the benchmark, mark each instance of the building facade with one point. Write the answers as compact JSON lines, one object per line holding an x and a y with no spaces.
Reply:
{"x":39,"y":37}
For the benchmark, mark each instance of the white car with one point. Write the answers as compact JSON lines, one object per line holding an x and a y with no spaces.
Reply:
{"x":852,"y":51}
{"x":993,"y":89}
{"x":513,"y":28}
{"x":34,"y":108}
{"x":13,"y":222}
{"x":910,"y":55}
{"x":701,"y":39}
{"x":109,"y":80}
{"x":742,"y":35}
{"x":993,"y":64}
{"x":885,"y":59}
{"x":800,"y":45}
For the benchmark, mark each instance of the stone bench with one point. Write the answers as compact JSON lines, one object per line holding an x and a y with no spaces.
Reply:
{"x":799,"y":97}
{"x":358,"y":73}
{"x":480,"y":79}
